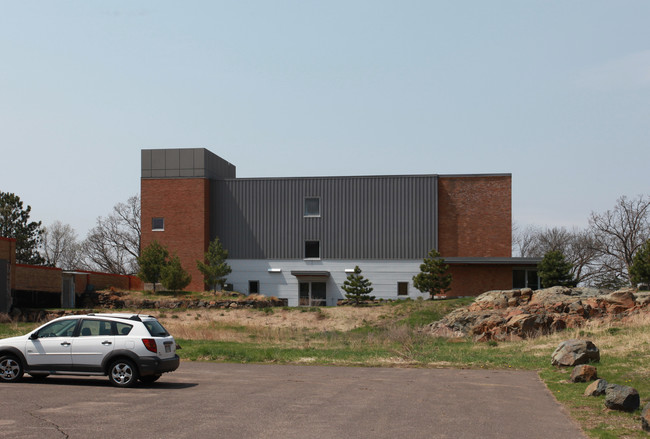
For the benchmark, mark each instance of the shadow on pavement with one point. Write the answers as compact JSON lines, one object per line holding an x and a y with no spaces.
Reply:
{"x":103,"y":382}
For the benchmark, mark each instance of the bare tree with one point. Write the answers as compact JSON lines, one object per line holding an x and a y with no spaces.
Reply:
{"x":60,"y":247}
{"x":576,"y":245}
{"x":524,"y":239}
{"x":618,"y":234}
{"x":113,"y":245}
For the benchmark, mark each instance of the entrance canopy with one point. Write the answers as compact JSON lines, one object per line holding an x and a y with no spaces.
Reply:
{"x":310,"y":273}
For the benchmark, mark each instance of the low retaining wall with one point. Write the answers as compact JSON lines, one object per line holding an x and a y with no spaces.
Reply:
{"x":115,"y":300}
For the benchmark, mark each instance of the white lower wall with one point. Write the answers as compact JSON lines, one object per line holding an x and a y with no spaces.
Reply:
{"x":384,"y":275}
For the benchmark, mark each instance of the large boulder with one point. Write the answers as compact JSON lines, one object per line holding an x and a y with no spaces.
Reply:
{"x":597,"y":388}
{"x":622,"y":398}
{"x":645,"y":417}
{"x":573,"y":352}
{"x":583,"y":374}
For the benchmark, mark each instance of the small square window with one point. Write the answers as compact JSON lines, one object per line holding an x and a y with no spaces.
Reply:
{"x":312,"y":206}
{"x":158,"y":224}
{"x":253,"y":287}
{"x":402,"y":288}
{"x":312,"y":249}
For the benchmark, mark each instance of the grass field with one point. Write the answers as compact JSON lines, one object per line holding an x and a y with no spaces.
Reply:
{"x":389,"y":336}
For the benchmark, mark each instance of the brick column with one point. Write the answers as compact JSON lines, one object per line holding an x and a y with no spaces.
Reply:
{"x":184,"y":203}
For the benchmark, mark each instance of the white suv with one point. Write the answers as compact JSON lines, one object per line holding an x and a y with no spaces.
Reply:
{"x":126,"y":347}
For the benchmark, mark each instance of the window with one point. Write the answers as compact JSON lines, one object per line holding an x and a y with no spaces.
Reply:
{"x":312,"y":249}
{"x":62,"y":328}
{"x":402,"y":288}
{"x":158,"y":224}
{"x":525,"y":278}
{"x":155,"y":328}
{"x":312,"y":206}
{"x":253,"y":287}
{"x":312,"y":294}
{"x":95,"y":328}
{"x":122,"y":328}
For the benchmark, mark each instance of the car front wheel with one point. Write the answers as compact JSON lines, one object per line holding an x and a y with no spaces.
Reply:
{"x":11,"y":370}
{"x":123,"y":373}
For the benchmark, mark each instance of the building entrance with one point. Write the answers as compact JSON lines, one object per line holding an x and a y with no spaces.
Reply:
{"x":312,"y":294}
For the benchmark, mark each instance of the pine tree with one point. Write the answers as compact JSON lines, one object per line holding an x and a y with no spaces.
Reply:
{"x":215,"y":269}
{"x":357,"y":287}
{"x":14,"y":223}
{"x":433,"y":277}
{"x":554,"y":270}
{"x":173,"y":276}
{"x":640,"y":269}
{"x":152,"y":260}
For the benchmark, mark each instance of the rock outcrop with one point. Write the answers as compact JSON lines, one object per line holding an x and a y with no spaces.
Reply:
{"x":517,"y":314}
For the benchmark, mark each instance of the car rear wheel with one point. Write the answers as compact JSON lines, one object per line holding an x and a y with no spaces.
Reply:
{"x":123,"y":373}
{"x":149,"y":379}
{"x":11,"y":370}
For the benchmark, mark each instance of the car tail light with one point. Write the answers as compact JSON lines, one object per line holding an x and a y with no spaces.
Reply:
{"x":150,"y":344}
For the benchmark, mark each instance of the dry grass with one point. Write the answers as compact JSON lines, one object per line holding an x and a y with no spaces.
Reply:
{"x":275,"y":325}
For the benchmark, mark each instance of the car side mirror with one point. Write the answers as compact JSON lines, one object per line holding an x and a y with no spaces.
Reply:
{"x":34,"y":336}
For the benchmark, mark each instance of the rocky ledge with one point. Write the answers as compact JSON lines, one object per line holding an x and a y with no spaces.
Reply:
{"x":518,"y":314}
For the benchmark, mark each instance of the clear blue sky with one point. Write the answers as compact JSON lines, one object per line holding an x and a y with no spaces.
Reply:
{"x":555,"y":92}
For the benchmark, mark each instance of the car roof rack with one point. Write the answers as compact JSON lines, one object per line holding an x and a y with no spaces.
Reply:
{"x":124,"y":316}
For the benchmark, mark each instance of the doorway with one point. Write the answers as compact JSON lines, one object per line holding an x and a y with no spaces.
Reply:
{"x":312,"y":294}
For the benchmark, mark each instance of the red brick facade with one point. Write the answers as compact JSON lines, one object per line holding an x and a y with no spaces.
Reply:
{"x":8,"y":253}
{"x":36,"y":278}
{"x":475,"y":279}
{"x":475,"y":216}
{"x":184,"y":203}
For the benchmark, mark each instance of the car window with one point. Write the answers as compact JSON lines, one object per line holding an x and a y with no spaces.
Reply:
{"x":95,"y":328}
{"x":62,"y":328}
{"x":122,"y":328}
{"x":155,"y":328}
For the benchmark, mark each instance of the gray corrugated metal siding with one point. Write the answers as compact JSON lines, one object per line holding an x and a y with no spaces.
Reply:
{"x":388,"y":217}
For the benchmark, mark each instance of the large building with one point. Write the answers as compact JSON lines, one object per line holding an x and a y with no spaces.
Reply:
{"x":298,"y":238}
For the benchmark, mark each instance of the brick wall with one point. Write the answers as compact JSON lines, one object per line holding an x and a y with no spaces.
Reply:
{"x":472,"y":280}
{"x":475,"y":216}
{"x":100,"y":281}
{"x":184,"y":204}
{"x":48,"y":279}
{"x":35,"y":278}
{"x":8,"y":253}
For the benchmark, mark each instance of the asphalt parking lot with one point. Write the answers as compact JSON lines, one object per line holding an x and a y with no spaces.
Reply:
{"x":205,"y":400}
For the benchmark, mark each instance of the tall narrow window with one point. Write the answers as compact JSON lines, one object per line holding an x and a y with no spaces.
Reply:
{"x":253,"y":287}
{"x":158,"y":224}
{"x":312,"y":249}
{"x":312,"y":206}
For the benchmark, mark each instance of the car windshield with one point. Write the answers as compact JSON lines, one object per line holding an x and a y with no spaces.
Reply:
{"x":155,"y":328}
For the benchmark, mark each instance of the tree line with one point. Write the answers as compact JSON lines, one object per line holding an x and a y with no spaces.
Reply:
{"x":608,"y":253}
{"x":111,"y":246}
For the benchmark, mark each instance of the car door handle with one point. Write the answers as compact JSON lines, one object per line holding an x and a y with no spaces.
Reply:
{"x":65,"y":343}
{"x":106,"y":343}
